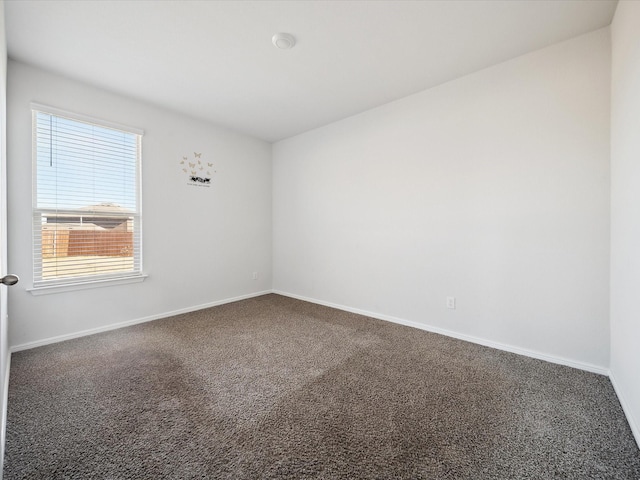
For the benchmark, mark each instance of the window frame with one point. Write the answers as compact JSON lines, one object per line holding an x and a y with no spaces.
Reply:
{"x":42,"y":286}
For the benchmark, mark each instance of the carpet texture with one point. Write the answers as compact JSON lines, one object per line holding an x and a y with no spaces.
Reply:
{"x":276,"y":388}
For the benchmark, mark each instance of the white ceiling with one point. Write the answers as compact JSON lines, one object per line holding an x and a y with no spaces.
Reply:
{"x":215,"y":60}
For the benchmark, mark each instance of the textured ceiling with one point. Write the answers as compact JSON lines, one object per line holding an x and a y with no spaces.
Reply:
{"x":214,"y":59}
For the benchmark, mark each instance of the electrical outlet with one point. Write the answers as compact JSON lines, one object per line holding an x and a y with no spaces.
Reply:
{"x":451,"y":303}
{"x":255,"y":275}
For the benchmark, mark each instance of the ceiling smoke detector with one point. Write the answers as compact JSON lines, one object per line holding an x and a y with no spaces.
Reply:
{"x":284,"y":41}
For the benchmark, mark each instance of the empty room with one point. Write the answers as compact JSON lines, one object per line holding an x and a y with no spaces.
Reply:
{"x":320,"y":239}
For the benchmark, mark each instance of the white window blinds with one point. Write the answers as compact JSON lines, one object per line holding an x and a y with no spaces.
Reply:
{"x":86,"y":214}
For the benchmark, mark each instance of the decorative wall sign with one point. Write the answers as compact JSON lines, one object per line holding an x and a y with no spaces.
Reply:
{"x":197,"y":171}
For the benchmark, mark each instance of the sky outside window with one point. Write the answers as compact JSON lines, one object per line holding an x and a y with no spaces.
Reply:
{"x":80,"y":164}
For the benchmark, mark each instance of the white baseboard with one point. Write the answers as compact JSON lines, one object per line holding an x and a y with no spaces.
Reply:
{"x":114,"y":326}
{"x":3,"y":414}
{"x":626,"y":409}
{"x":469,"y":338}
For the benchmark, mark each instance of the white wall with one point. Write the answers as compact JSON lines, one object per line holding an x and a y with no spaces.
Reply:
{"x":493,"y":188}
{"x":625,"y":209}
{"x":4,"y":342}
{"x":201,"y":245}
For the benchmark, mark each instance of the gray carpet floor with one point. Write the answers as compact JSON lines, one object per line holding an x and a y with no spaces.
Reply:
{"x":276,"y":388}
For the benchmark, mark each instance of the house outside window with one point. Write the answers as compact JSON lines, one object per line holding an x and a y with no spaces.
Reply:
{"x":86,"y":202}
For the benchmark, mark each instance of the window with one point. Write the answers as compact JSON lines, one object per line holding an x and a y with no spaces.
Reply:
{"x":86,"y":206}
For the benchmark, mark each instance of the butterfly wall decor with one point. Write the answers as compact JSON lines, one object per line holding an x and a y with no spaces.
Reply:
{"x":191,"y":168}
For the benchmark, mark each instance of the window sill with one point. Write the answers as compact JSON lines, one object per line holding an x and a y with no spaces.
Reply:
{"x":71,"y":287}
